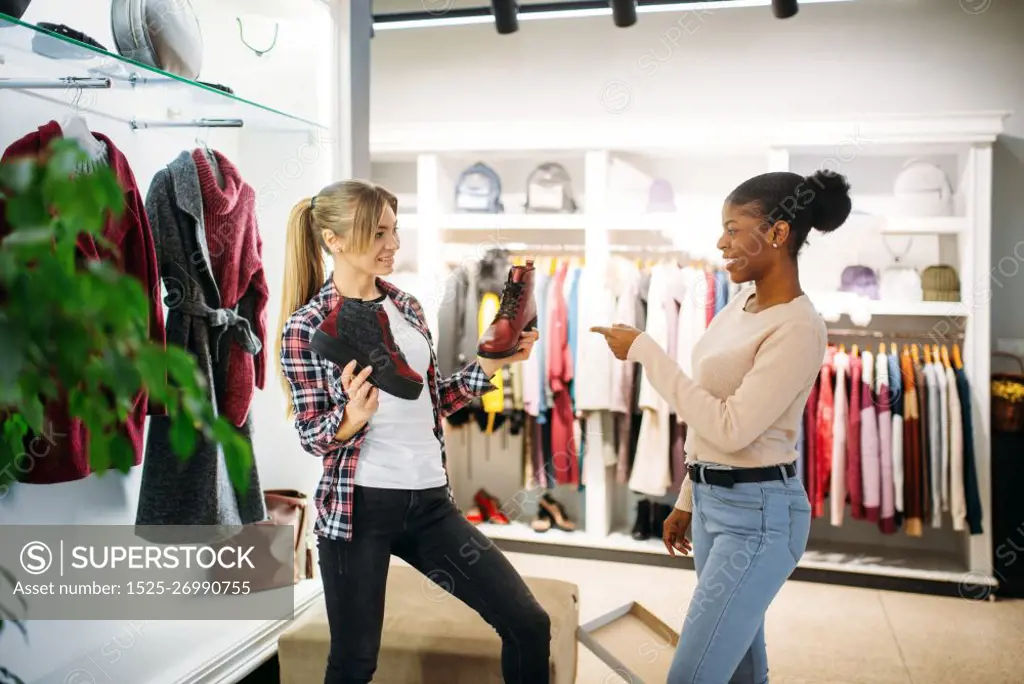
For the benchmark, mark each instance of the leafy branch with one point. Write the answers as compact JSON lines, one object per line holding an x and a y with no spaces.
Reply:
{"x":74,"y":332}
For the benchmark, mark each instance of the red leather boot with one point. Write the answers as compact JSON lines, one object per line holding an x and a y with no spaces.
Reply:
{"x":517,"y":312}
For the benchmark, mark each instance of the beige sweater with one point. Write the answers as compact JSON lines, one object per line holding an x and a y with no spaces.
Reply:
{"x":752,"y":375}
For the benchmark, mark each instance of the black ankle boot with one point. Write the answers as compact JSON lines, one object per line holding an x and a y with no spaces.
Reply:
{"x":642,"y":525}
{"x":659,"y":513}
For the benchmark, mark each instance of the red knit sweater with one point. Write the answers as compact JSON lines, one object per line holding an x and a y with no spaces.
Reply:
{"x":236,"y":253}
{"x":61,"y":453}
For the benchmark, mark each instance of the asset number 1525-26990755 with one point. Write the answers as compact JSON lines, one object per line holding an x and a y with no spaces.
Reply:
{"x":176,"y":588}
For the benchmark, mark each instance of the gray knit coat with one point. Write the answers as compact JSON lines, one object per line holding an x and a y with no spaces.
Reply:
{"x":198,"y":491}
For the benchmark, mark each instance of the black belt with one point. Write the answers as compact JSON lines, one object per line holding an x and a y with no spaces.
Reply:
{"x":723,"y":477}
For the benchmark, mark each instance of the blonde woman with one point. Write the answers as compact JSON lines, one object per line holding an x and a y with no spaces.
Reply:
{"x":377,"y":430}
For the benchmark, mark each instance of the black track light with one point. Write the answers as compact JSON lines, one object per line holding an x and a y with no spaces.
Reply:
{"x":506,"y":16}
{"x":784,"y":9}
{"x":624,"y":12}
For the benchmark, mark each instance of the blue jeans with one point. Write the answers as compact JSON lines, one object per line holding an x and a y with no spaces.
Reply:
{"x":747,"y":540}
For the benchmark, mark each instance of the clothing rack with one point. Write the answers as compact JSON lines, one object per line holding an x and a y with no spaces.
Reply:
{"x":194,"y":123}
{"x":79,"y":83}
{"x":856,"y":332}
{"x":54,"y":83}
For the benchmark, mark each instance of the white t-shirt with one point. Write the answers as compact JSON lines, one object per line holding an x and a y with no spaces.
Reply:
{"x":400,"y":450}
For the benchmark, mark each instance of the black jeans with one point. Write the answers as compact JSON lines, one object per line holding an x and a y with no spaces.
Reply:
{"x":424,"y":529}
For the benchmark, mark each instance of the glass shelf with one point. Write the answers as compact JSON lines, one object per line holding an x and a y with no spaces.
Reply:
{"x":38,"y":61}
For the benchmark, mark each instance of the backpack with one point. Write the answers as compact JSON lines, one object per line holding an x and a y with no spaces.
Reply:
{"x":922,"y":189}
{"x":479,"y":190}
{"x":661,"y":198}
{"x":549,"y":190}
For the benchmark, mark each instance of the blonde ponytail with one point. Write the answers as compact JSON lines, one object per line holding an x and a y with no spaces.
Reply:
{"x":351,"y":210}
{"x":303,"y":275}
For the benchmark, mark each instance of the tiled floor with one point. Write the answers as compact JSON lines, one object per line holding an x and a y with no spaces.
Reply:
{"x":820,"y":634}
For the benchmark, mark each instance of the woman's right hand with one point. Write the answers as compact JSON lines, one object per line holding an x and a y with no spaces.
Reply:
{"x":362,"y":395}
{"x":673,"y":532}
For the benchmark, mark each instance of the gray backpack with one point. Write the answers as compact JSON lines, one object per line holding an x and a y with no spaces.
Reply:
{"x":478,"y":190}
{"x":549,"y":190}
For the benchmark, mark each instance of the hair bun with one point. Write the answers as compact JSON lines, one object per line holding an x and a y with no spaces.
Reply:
{"x":831,"y":205}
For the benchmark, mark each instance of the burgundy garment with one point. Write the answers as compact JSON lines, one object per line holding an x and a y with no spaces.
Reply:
{"x":854,"y":483}
{"x":236,"y":248}
{"x":63,"y":449}
{"x":814,"y":491}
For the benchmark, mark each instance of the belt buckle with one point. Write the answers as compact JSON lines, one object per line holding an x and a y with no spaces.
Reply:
{"x":711,"y":476}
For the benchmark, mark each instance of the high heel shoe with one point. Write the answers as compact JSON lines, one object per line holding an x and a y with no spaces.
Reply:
{"x":542,"y":523}
{"x":489,"y":507}
{"x":559,"y":518}
{"x":474,"y":515}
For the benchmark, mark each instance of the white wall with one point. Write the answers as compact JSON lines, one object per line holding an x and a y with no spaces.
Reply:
{"x":868,"y":56}
{"x":281,"y":167}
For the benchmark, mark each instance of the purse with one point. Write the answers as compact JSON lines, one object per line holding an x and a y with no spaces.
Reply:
{"x":274,"y":564}
{"x":291,"y":507}
{"x":163,"y":35}
{"x":899,"y":283}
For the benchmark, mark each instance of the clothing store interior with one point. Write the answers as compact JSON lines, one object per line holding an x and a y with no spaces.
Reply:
{"x":592,"y":145}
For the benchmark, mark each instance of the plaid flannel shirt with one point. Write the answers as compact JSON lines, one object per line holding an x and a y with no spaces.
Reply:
{"x":319,"y":402}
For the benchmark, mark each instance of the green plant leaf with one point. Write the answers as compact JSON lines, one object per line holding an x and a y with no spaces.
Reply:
{"x":27,"y":211}
{"x":237,"y":453}
{"x":122,"y":453}
{"x":17,"y":174}
{"x":12,"y":359}
{"x":32,"y":410}
{"x":183,"y":436}
{"x":42,"y":235}
{"x":100,"y":451}
{"x":182,"y":367}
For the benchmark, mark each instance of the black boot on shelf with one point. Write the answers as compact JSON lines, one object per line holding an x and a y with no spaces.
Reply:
{"x":642,"y":525}
{"x":659,"y":513}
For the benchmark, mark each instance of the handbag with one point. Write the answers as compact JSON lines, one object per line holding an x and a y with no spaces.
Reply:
{"x":899,"y":283}
{"x":163,"y":35}
{"x":274,"y":564}
{"x":291,"y":507}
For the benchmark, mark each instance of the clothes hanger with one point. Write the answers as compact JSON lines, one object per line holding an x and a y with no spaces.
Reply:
{"x":945,"y":356}
{"x":915,"y":355}
{"x":881,"y":348}
{"x":855,"y":351}
{"x":74,"y":127}
{"x":893,"y":349}
{"x":212,"y":158}
{"x":927,"y":355}
{"x":957,"y":362}
{"x":842,"y":348}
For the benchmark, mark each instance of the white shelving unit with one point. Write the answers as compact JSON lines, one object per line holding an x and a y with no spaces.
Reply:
{"x":612,"y":167}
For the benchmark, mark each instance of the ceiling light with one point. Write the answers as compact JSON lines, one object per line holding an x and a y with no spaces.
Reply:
{"x":505,"y":19}
{"x":624,"y":12}
{"x":784,"y":9}
{"x":576,"y":10}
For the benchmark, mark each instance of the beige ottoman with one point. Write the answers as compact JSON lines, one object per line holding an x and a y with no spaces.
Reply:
{"x":431,"y":638}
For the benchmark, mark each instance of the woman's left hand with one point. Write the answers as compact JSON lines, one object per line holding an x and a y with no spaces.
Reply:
{"x":619,"y":338}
